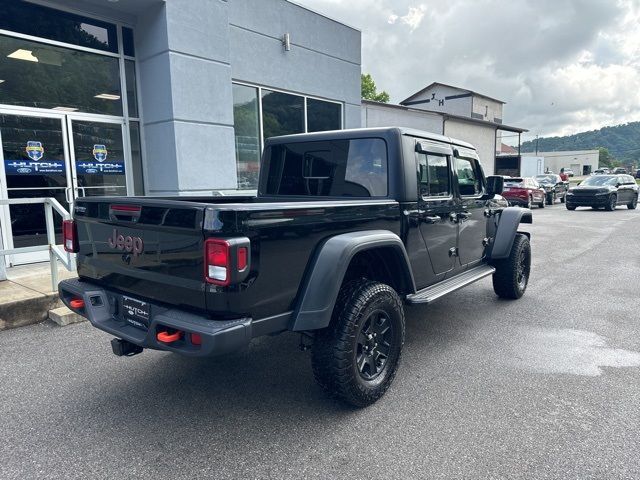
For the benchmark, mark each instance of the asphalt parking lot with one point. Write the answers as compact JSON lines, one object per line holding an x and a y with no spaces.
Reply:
{"x":545,"y":387}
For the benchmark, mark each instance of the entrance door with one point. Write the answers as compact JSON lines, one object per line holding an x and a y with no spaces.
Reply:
{"x":59,"y":156}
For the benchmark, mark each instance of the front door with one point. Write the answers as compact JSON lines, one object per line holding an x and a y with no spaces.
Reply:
{"x":59,"y":156}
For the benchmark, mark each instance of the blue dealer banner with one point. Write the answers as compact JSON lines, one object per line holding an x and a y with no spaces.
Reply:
{"x":36,"y":165}
{"x":85,"y":167}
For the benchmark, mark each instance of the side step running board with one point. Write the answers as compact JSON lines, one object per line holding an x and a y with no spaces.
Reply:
{"x":433,"y":293}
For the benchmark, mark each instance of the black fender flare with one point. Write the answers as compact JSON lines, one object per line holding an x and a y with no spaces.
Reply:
{"x":324,"y":278}
{"x":510,"y":219}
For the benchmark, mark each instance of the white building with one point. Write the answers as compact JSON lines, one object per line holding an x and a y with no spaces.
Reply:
{"x":450,"y":111}
{"x":582,"y":162}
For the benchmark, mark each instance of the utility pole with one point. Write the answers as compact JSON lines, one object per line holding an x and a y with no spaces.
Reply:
{"x":536,"y":145}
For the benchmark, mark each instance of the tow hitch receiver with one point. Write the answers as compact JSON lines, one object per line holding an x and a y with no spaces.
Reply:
{"x":122,"y":348}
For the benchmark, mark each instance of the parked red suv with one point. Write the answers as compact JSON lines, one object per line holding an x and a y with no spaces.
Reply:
{"x":524,"y":192}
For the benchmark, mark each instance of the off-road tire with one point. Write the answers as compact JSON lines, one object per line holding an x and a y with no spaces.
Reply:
{"x":563,"y":199}
{"x":613,"y":202}
{"x":633,"y":204}
{"x":335,"y":351}
{"x":507,"y":279}
{"x":570,"y":207}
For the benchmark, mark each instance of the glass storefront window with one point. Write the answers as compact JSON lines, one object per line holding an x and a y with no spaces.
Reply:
{"x":132,"y":96}
{"x":30,"y":19}
{"x":127,"y":42}
{"x":45,"y":76}
{"x":323,"y":116}
{"x":136,"y":158}
{"x":247,"y":135}
{"x":282,"y":113}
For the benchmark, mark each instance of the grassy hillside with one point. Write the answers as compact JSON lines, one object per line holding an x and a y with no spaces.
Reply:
{"x":623,"y":141}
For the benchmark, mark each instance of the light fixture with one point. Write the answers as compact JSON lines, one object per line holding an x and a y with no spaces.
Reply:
{"x":107,"y":96}
{"x":286,"y":42}
{"x":65,"y":109}
{"x":1,"y":81}
{"x":22,"y":54}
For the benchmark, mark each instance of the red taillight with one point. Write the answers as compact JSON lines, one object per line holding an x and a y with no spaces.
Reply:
{"x":217,"y":262}
{"x":70,"y":236}
{"x":76,"y":303}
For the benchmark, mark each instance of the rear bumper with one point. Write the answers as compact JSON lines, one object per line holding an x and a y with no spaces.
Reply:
{"x":102,"y":308}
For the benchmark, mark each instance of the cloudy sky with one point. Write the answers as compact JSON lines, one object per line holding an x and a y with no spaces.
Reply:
{"x":562,"y":66}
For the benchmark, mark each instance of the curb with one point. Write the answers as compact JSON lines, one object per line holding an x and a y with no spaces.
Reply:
{"x":28,"y":311}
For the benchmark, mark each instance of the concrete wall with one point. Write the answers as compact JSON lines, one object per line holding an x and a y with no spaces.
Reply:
{"x":324,"y":60}
{"x":183,"y":55}
{"x":380,"y":115}
{"x":575,"y":160}
{"x":480,"y":136}
{"x":430,"y":100}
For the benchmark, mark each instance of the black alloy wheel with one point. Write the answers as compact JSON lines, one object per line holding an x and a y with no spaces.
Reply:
{"x":374,"y":344}
{"x":613,"y":202}
{"x":633,"y":204}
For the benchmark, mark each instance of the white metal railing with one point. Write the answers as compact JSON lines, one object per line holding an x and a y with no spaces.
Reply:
{"x":56,"y":252}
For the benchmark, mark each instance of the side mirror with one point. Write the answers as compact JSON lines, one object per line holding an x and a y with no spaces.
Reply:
{"x":495,"y":185}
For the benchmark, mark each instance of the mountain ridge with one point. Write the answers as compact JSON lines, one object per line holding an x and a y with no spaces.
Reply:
{"x":622,"y":141}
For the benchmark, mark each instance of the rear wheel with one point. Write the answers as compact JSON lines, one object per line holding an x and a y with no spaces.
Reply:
{"x":356,"y":357}
{"x":550,"y":198}
{"x":633,"y":204}
{"x":564,"y":198}
{"x":613,"y":202}
{"x":511,"y":277}
{"x":543,"y":202}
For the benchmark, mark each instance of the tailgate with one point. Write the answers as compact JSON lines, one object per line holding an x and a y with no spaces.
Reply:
{"x":148,"y":248}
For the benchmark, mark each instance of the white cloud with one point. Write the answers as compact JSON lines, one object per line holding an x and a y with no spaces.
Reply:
{"x":562,"y":66}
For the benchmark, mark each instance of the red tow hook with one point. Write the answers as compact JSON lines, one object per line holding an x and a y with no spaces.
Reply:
{"x":166,"y":337}
{"x":77,"y":303}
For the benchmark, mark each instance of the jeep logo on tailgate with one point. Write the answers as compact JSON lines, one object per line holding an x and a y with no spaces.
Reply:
{"x":128,"y":244}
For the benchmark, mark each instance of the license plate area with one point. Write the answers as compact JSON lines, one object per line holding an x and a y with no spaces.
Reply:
{"x":136,"y":312}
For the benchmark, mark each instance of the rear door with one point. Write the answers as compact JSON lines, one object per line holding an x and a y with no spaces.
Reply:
{"x":472,"y":223}
{"x":436,"y":204}
{"x":147,"y":248}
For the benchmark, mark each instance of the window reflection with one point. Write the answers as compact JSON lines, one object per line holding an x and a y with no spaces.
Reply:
{"x":247,"y":135}
{"x":45,"y":76}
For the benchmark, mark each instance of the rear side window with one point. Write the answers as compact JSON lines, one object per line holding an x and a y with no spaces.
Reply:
{"x":433,"y":173}
{"x":338,"y":168}
{"x":469,"y":180}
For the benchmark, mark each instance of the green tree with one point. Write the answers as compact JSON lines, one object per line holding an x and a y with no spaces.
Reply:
{"x":606,"y":159}
{"x":370,"y":91}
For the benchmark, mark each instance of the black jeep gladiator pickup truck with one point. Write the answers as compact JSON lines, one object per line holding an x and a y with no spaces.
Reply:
{"x":347,"y":228}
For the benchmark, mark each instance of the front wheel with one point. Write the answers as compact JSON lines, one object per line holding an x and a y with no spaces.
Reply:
{"x":511,"y":277}
{"x":613,"y":202}
{"x":550,"y":198}
{"x":633,"y":204}
{"x":564,"y":198}
{"x":543,"y":202}
{"x":356,"y":357}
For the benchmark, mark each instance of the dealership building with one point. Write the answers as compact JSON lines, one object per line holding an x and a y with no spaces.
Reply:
{"x":158,"y":97}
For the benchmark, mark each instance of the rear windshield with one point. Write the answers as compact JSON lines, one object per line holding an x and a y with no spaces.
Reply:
{"x":514,"y":182}
{"x":337,"y":168}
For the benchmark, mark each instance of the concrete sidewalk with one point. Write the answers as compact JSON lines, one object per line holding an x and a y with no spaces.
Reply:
{"x":26,"y":297}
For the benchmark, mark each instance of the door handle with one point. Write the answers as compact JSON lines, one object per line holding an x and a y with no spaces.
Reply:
{"x":413,"y":213}
{"x":464,"y":216}
{"x":429,"y":219}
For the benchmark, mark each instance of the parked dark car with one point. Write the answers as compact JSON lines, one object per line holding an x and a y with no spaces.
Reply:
{"x":554,"y":187}
{"x":604,"y":191}
{"x":637,"y":173}
{"x":347,"y":228}
{"x":619,"y":171}
{"x":524,"y":192}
